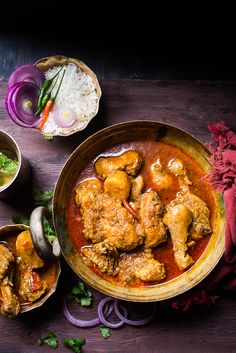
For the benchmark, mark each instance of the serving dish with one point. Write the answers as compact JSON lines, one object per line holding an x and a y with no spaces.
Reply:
{"x":48,"y":63}
{"x":90,"y":150}
{"x":50,"y":271}
{"x":19,"y":180}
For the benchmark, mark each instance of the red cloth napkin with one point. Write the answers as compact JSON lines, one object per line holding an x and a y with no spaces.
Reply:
{"x":223,"y":179}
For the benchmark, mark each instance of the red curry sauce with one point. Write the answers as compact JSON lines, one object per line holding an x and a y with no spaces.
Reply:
{"x":150,"y":151}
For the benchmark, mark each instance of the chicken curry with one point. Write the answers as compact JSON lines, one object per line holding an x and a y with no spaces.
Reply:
{"x":141,"y":213}
{"x":24,"y":277}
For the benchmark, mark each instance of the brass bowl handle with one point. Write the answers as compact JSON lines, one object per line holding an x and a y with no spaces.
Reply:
{"x":44,"y":249}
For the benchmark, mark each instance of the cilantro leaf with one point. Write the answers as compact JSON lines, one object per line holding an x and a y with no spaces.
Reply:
{"x":105,"y":332}
{"x":3,"y":159}
{"x":80,"y":294}
{"x":48,"y":230}
{"x":51,"y":340}
{"x":42,"y":198}
{"x":20,"y":220}
{"x":74,"y":343}
{"x":10,"y":166}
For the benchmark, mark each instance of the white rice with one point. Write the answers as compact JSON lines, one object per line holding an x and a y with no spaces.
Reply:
{"x":77,"y":92}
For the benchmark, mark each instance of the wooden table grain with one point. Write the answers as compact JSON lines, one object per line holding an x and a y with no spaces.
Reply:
{"x":190,"y":105}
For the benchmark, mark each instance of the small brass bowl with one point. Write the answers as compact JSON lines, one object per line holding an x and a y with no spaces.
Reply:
{"x":47,"y":63}
{"x":88,"y":151}
{"x":10,"y":230}
{"x":16,"y":185}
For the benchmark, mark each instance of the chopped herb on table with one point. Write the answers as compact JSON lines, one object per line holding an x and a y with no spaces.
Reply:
{"x":51,"y":340}
{"x":74,"y":343}
{"x":42,"y":198}
{"x":105,"y":332}
{"x":80,"y":294}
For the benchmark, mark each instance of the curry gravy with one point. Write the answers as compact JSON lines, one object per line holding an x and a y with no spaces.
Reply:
{"x":150,"y":150}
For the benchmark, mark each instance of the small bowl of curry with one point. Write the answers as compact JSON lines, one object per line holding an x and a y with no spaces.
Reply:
{"x":26,"y":281}
{"x":134,"y":214}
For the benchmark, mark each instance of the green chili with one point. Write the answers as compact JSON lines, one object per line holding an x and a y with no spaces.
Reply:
{"x":45,"y":87}
{"x":46,"y":98}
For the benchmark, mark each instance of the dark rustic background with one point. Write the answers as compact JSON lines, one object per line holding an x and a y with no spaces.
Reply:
{"x":141,"y":42}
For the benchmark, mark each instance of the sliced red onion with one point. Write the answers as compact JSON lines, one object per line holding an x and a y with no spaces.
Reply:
{"x":134,"y":322}
{"x":21,"y":104}
{"x":64,"y":116}
{"x":27,"y":73}
{"x":85,"y":323}
{"x":102,"y":316}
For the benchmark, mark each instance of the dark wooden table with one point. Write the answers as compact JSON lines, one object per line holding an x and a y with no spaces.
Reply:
{"x":189,"y":105}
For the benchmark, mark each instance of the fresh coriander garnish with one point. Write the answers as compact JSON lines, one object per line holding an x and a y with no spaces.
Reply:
{"x":42,"y":198}
{"x":48,"y":230}
{"x":51,"y":340}
{"x":105,"y":332}
{"x":74,"y":343}
{"x":80,"y":294}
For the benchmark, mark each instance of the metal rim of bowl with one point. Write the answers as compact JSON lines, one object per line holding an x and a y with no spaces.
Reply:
{"x":163,"y":291}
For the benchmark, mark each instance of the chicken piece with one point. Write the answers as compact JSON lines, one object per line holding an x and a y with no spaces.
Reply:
{"x":118,"y":225}
{"x":88,"y":198}
{"x":129,"y":161}
{"x":104,"y":217}
{"x":137,"y":185}
{"x":151,"y":213}
{"x":31,"y":287}
{"x":6,"y":259}
{"x":151,"y":271}
{"x":140,"y":265}
{"x":10,"y":305}
{"x":200,"y":212}
{"x":103,"y":255}
{"x":159,"y":177}
{"x":178,"y":219}
{"x":177,"y":167}
{"x":26,"y":251}
{"x":118,"y":185}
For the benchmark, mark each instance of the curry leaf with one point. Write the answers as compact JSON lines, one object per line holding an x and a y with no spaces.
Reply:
{"x":74,"y":343}
{"x":80,"y":294}
{"x":105,"y":332}
{"x":50,"y":340}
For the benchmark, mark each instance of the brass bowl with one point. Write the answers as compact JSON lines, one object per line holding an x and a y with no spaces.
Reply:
{"x":47,"y":63}
{"x":21,"y":177}
{"x":8,"y":230}
{"x":88,"y":151}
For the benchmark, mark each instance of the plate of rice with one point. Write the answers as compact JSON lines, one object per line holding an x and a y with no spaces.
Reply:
{"x":79,"y":94}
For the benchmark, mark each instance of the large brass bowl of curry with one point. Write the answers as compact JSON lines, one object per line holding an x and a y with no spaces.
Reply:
{"x":135,"y":216}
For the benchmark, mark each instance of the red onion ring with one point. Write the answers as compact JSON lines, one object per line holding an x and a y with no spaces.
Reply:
{"x":27,"y":73}
{"x":133,"y":322}
{"x":15,"y":104}
{"x":85,"y":323}
{"x":102,"y":316}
